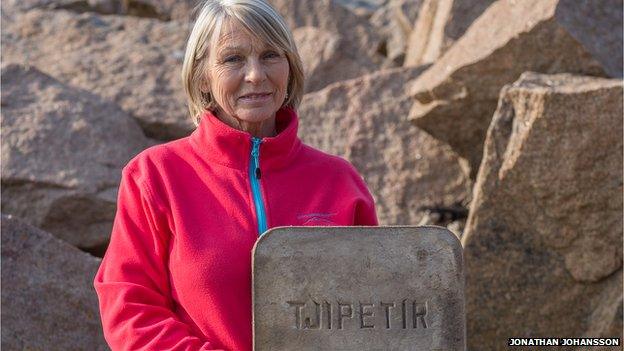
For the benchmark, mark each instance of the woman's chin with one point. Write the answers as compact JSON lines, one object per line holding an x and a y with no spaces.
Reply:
{"x":256,"y":115}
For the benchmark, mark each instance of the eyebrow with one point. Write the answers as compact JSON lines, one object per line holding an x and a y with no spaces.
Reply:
{"x":231,"y":48}
{"x":242,"y":48}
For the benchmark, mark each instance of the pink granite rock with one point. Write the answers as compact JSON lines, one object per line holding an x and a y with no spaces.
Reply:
{"x":544,"y":236}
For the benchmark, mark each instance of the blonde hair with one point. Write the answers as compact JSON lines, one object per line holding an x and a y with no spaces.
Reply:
{"x":258,"y":18}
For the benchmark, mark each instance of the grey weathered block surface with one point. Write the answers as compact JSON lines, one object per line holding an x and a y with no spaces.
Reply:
{"x":358,"y":288}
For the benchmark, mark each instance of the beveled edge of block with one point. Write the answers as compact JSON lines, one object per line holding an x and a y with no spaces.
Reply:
{"x":441,"y":233}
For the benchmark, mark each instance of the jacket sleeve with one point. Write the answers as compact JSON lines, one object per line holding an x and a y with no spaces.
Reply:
{"x":365,"y":213}
{"x":132,"y":282}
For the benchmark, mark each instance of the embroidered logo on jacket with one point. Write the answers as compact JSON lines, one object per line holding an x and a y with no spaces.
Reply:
{"x":317,"y":219}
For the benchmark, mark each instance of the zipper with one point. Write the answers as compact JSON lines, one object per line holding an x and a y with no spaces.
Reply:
{"x":254,"y":179}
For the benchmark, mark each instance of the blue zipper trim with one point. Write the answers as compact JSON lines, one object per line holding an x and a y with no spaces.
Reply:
{"x":254,"y":179}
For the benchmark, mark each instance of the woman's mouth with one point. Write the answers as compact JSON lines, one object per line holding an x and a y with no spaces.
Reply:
{"x":256,"y":97}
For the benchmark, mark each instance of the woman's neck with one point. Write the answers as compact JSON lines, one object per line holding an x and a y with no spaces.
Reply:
{"x":261,"y":129}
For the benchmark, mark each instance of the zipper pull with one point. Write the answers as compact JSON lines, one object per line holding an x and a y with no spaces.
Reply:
{"x":255,"y":153}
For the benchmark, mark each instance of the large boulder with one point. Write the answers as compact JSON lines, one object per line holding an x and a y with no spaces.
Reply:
{"x":62,"y":154}
{"x":325,"y":59}
{"x":180,"y":10}
{"x":543,"y":241}
{"x":439,"y":24}
{"x":48,"y":301}
{"x":102,"y":6}
{"x":394,"y":22}
{"x":328,"y":15}
{"x":135,"y":62}
{"x":363,"y":120}
{"x":160,"y":9}
{"x":511,"y":37}
{"x":357,"y":40}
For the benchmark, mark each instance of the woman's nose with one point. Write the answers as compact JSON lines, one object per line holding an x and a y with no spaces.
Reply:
{"x":255,"y":71}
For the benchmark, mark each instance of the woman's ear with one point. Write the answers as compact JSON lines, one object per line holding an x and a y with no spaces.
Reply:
{"x":204,"y":86}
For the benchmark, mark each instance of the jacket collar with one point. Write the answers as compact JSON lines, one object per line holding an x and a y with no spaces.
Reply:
{"x":216,"y":142}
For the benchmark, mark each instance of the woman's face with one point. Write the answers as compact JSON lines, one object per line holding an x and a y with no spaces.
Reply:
{"x":248,"y":79}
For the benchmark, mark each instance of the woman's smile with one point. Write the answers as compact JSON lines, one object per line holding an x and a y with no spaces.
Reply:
{"x":256,"y":98}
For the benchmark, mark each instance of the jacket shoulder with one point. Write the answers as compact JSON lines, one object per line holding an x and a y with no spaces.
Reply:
{"x":154,"y":167}
{"x":332,"y":166}
{"x":339,"y":170}
{"x":157,"y":156}
{"x":321,"y":158}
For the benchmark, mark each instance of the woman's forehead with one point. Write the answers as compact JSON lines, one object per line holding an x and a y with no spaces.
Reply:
{"x":233,"y":35}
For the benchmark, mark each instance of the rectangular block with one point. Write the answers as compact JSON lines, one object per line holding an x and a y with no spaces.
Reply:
{"x":358,"y":288}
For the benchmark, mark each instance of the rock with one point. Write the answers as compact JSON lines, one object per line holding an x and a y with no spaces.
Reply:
{"x":440,"y":24}
{"x":134,"y":62}
{"x":394,"y":22}
{"x":358,"y":39}
{"x":511,"y":37}
{"x":352,"y":289}
{"x":62,"y":154}
{"x":452,"y":217}
{"x":325,"y":14}
{"x":363,"y":120}
{"x":324,"y":59}
{"x":180,"y":10}
{"x":71,"y":5}
{"x":362,"y":7}
{"x":544,"y":236}
{"x":160,"y":9}
{"x":605,"y":319}
{"x":48,"y":302}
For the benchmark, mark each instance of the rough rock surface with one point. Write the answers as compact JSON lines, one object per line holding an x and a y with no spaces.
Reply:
{"x":134,"y":62}
{"x":325,"y":59}
{"x":544,"y":237}
{"x":72,"y":5}
{"x":511,"y":37}
{"x":62,"y":153}
{"x":364,"y":121}
{"x":358,"y":39}
{"x":180,"y":10}
{"x":48,"y":302}
{"x":439,"y":24}
{"x":325,"y":14}
{"x":160,"y":9}
{"x":395,"y":21}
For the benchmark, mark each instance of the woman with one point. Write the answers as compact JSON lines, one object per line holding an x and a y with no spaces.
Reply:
{"x":177,"y":272}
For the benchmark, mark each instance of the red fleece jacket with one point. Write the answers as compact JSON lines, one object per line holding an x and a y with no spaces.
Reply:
{"x":177,"y":272}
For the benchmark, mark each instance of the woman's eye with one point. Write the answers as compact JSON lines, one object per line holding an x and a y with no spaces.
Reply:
{"x":231,"y":59}
{"x":271,"y":54}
